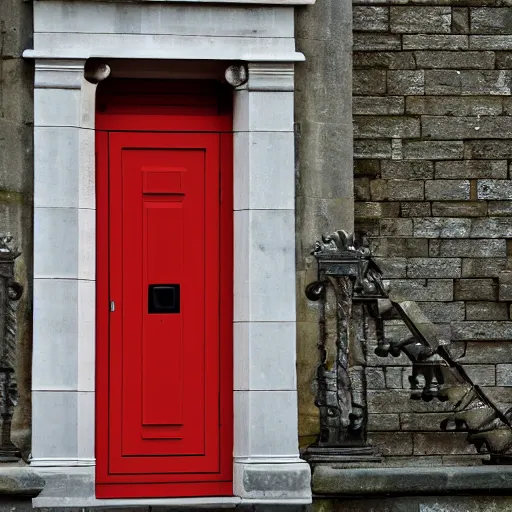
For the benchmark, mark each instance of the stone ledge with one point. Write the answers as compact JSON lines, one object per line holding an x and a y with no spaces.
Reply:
{"x":328,"y":480}
{"x":20,"y":481}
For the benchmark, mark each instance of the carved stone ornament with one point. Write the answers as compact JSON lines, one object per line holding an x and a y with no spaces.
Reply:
{"x":10,"y":293}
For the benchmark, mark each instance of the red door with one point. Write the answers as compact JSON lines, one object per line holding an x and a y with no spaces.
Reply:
{"x":164,"y":422}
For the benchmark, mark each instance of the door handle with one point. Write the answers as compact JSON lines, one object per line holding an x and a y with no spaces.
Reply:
{"x":163,"y":298}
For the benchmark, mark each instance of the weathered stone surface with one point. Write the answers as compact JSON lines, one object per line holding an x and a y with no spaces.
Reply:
{"x":423,"y":20}
{"x":392,"y":443}
{"x":422,"y":289}
{"x":491,"y":20}
{"x":491,"y":330}
{"x":441,"y":443}
{"x":486,"y":311}
{"x":459,"y":209}
{"x":368,"y":81}
{"x":505,"y":285}
{"x":507,"y":105}
{"x":445,"y":128}
{"x":494,"y":189}
{"x":400,"y":247}
{"x":463,"y":460}
{"x":373,"y":149}
{"x":383,"y":422}
{"x":460,"y":20}
{"x":492,"y":169}
{"x":454,"y":105}
{"x":491,"y":227}
{"x":482,"y":374}
{"x":443,"y":312}
{"x":454,"y":60}
{"x":362,"y":189}
{"x":448,"y":82}
{"x":385,"y":60}
{"x":396,"y":190}
{"x":422,"y":421}
{"x":483,"y":267}
{"x":393,"y":267}
{"x":366,"y":168}
{"x":394,"y":376}
{"x":397,"y":331}
{"x":442,"y":227}
{"x":378,"y":42}
{"x":468,"y":248}
{"x":435,"y":42}
{"x":435,"y":479}
{"x":396,"y":227}
{"x":413,"y":209}
{"x":504,"y":374}
{"x":420,"y":268}
{"x":406,"y":170}
{"x":374,"y":210}
{"x":384,"y":127}
{"x":504,"y":60}
{"x":450,"y":190}
{"x":392,"y":400}
{"x":406,"y":82}
{"x":368,"y":227}
{"x":487,"y":149}
{"x":375,"y":378}
{"x":482,"y":352}
{"x":490,"y":42}
{"x":476,"y":289}
{"x":433,"y":150}
{"x":369,"y":18}
{"x":378,"y":105}
{"x":20,"y":481}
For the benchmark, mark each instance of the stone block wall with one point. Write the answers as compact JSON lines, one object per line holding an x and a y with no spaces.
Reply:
{"x":16,"y":182}
{"x":433,"y":149}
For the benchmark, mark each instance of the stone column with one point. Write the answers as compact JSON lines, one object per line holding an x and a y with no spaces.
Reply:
{"x":267,"y":464}
{"x":64,"y":266}
{"x":324,"y":170}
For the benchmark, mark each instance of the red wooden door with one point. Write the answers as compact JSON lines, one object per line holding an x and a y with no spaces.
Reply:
{"x":164,"y":421}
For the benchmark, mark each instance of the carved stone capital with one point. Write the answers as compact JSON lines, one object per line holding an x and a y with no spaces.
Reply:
{"x":271,"y":76}
{"x":59,"y":74}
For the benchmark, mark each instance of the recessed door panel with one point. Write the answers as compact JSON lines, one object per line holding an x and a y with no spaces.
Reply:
{"x":166,"y":313}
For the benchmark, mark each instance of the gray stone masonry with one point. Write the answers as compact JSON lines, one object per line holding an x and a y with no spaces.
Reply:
{"x":433,"y":153}
{"x":16,"y":183}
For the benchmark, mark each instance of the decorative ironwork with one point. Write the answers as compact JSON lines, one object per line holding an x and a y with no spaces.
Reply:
{"x":10,"y":293}
{"x":350,"y":288}
{"x":437,"y":374}
{"x":345,"y":273}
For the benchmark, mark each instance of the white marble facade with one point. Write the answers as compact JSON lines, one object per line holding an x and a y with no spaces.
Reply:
{"x":265,"y":394}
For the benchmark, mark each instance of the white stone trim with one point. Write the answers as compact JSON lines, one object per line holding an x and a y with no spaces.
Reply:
{"x":58,"y":462}
{"x":265,"y":413}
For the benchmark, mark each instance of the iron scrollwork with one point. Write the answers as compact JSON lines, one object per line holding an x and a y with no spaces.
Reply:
{"x":10,"y":293}
{"x":345,"y":273}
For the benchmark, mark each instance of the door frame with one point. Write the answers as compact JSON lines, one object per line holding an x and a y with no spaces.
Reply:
{"x":267,"y":467}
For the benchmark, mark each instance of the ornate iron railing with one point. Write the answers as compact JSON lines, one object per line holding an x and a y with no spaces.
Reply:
{"x":353,"y":306}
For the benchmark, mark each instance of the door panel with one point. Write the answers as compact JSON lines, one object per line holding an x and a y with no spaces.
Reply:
{"x":164,"y":335}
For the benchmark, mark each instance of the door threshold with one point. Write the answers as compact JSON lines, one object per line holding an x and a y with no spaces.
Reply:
{"x":178,"y":503}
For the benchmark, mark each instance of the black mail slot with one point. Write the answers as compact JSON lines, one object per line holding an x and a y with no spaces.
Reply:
{"x":163,"y":298}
